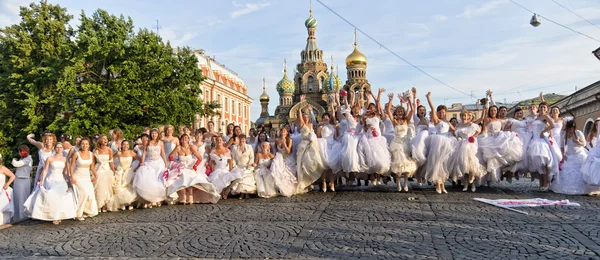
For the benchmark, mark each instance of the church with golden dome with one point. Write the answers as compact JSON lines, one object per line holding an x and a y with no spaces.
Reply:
{"x":313,"y":79}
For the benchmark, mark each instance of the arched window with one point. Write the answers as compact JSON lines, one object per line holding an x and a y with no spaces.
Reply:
{"x":589,"y":124}
{"x":311,"y":82}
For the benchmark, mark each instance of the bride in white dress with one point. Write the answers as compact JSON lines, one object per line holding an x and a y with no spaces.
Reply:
{"x":464,"y":162}
{"x":6,"y":194}
{"x":541,"y":156}
{"x":82,"y":164}
{"x":440,"y":148}
{"x":124,"y":192}
{"x":570,"y":178}
{"x":46,"y":149}
{"x":402,"y":163}
{"x":188,"y":177}
{"x":265,"y":183}
{"x":221,"y":163}
{"x":591,"y":166}
{"x":105,"y":171}
{"x":330,"y":151}
{"x":54,"y":200}
{"x":283,"y":167}
{"x":150,"y":177}
{"x":243,"y":155}
{"x":309,"y":165}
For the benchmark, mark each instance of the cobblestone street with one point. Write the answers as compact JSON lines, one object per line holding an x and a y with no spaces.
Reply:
{"x":371,"y":223}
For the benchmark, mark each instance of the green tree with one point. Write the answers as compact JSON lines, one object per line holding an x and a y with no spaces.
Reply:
{"x":34,"y":55}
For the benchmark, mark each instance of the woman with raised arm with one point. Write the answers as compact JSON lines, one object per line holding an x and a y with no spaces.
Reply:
{"x":541,"y":157}
{"x":464,"y":162}
{"x":46,"y":149}
{"x":350,"y":133}
{"x":105,"y":171}
{"x":7,"y":209}
{"x":330,"y":151}
{"x":54,"y":200}
{"x":187,"y":177}
{"x":124,"y":192}
{"x":418,"y":145}
{"x":150,"y":177}
{"x":440,"y":148}
{"x":82,"y":164}
{"x":309,"y":165}
{"x":221,"y":163}
{"x":500,"y":149}
{"x":283,"y":167}
{"x":570,"y":178}
{"x":402,"y":163}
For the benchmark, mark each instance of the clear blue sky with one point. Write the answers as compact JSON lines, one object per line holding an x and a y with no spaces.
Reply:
{"x":472,"y":45}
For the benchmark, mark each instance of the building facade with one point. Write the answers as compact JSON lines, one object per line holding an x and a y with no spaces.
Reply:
{"x":583,"y":106}
{"x":313,"y":79}
{"x":225,"y":87}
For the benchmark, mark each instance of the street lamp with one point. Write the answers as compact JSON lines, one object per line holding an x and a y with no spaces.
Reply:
{"x":535,"y":20}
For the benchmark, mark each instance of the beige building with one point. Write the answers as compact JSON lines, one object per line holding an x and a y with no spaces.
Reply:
{"x":227,"y":88}
{"x":583,"y":105}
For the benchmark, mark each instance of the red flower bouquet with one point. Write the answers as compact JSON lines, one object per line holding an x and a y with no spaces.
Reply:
{"x":343,"y":93}
{"x":483,"y":101}
{"x":375,"y":134}
{"x":471,"y":139}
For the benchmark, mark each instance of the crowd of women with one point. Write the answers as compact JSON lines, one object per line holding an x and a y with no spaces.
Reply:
{"x":359,"y":143}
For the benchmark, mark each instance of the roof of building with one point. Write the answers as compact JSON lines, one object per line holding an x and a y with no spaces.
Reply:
{"x":214,"y":66}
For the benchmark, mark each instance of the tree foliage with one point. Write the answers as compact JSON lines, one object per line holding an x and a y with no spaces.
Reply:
{"x":102,"y":75}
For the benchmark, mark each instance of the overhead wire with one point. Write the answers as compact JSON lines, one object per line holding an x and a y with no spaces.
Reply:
{"x":559,"y":24}
{"x":390,"y":51}
{"x":573,"y":12}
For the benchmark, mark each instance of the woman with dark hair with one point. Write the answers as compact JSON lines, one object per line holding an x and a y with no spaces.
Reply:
{"x":418,"y":144}
{"x":541,"y":157}
{"x":310,"y":164}
{"x":518,"y":125}
{"x":229,"y":133}
{"x":500,"y":149}
{"x":237,"y":131}
{"x":149,"y":177}
{"x":283,"y":167}
{"x":349,"y":133}
{"x":592,"y":139}
{"x":221,"y":163}
{"x":440,"y":148}
{"x":22,"y":184}
{"x":570,"y":180}
{"x":402,"y":163}
{"x":330,"y":151}
{"x":591,"y":166}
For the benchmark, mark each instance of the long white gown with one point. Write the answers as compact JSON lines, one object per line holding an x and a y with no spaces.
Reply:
{"x":86,"y":197}
{"x":124,"y":192}
{"x":418,"y":144}
{"x":55,"y":200}
{"x":330,"y":148}
{"x":21,"y":185}
{"x":283,"y":169}
{"x":309,"y":165}
{"x":42,"y":156}
{"x":350,"y":134}
{"x":500,"y":149}
{"x":402,"y":162}
{"x":221,"y":176}
{"x":464,"y":160}
{"x":7,"y":207}
{"x":149,"y":181}
{"x":104,"y":183}
{"x":204,"y":190}
{"x":569,"y":179}
{"x":265,"y":183}
{"x":591,"y":166}
{"x":439,"y":153}
{"x":540,"y":152}
{"x":520,"y":128}
{"x":243,"y":162}
{"x":373,"y":146}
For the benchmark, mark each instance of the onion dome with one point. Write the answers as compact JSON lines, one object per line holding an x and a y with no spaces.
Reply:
{"x":264,"y":97}
{"x":356,"y":57}
{"x":333,"y":83}
{"x":311,"y":22}
{"x":285,"y":85}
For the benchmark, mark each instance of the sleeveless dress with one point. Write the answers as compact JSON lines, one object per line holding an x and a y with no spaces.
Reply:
{"x":21,"y":185}
{"x":221,"y":176}
{"x":283,"y":169}
{"x":557,"y":142}
{"x":439,"y":153}
{"x":265,"y":183}
{"x":540,"y":152}
{"x":374,"y":147}
{"x":6,"y":205}
{"x":124,"y":192}
{"x":42,"y":156}
{"x":569,"y":179}
{"x":55,"y":200}
{"x":309,"y":165}
{"x":500,"y":149}
{"x":86,"y":197}
{"x":243,"y":162}
{"x":330,"y":148}
{"x":349,"y":137}
{"x":204,"y":191}
{"x":520,"y":128}
{"x":169,"y":147}
{"x":149,"y":181}
{"x":402,"y":162}
{"x":464,"y":159}
{"x":104,"y":183}
{"x":591,"y":166}
{"x":418,"y":145}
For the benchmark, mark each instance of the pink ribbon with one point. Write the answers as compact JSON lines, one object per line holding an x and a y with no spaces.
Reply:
{"x":7,"y":195}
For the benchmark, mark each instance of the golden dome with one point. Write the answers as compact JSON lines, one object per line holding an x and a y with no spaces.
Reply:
{"x":356,"y":58}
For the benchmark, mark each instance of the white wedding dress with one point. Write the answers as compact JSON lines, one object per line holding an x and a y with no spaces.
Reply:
{"x":55,"y":200}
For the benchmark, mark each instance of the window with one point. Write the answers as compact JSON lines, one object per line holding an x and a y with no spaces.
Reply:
{"x":232,"y":107}
{"x":226,"y":104}
{"x":245,"y":111}
{"x":239,"y":108}
{"x":311,"y":81}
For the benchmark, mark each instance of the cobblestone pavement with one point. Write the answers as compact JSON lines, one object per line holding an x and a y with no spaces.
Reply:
{"x":365,"y":223}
